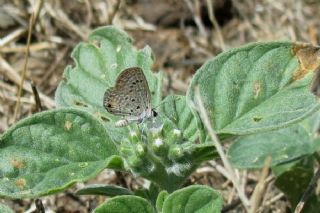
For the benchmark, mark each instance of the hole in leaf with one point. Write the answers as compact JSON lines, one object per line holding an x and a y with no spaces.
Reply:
{"x":105,"y":119}
{"x":257,"y":119}
{"x":79,"y":103}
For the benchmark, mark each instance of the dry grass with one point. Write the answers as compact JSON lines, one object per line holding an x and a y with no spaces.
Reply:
{"x":182,"y":35}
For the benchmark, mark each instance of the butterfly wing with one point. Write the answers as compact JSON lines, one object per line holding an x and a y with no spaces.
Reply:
{"x":131,"y":95}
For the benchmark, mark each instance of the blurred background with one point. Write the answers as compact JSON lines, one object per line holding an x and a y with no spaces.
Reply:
{"x":183,"y":35}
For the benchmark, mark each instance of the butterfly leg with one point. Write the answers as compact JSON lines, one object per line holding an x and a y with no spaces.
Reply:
{"x":121,"y":123}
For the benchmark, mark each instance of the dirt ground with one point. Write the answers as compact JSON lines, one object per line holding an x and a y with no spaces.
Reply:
{"x":183,"y":35}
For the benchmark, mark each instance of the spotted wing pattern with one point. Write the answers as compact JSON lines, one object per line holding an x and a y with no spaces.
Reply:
{"x":131,"y":95}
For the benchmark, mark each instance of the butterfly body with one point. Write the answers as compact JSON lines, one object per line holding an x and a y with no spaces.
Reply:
{"x":129,"y":98}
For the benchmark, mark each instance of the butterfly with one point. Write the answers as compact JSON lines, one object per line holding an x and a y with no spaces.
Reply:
{"x":129,"y":98}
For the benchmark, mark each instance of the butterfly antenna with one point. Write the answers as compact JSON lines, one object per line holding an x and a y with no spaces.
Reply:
{"x":162,"y":102}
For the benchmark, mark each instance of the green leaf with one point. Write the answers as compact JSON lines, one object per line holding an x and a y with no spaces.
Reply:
{"x":51,"y":150}
{"x":150,"y":193}
{"x":293,"y":183}
{"x":173,"y":149}
{"x":282,"y":145}
{"x":102,"y":189}
{"x":258,"y":87}
{"x":204,"y":152}
{"x":5,"y":209}
{"x":313,"y":123}
{"x":312,"y":205}
{"x":160,"y":200}
{"x":98,"y":64}
{"x":125,"y":203}
{"x":176,"y":110}
{"x":201,"y":199}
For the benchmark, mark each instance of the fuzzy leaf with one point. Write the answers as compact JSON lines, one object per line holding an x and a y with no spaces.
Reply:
{"x":51,"y":150}
{"x":258,"y":87}
{"x":160,"y":200}
{"x":194,"y":198}
{"x":5,"y":209}
{"x":102,"y":189}
{"x":174,"y":138}
{"x":293,"y":183}
{"x":175,"y":108}
{"x":98,"y":64}
{"x":125,"y":203}
{"x":282,"y":145}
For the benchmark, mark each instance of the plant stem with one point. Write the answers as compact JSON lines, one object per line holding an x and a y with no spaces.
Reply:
{"x":232,"y":175}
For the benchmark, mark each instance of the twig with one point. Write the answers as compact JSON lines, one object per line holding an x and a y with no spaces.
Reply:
{"x":89,"y":9}
{"x":216,"y":142}
{"x":231,"y":206}
{"x":36,"y":98}
{"x":32,"y":21}
{"x":12,"y":36}
{"x":17,"y":107}
{"x":236,"y":4}
{"x":37,"y":9}
{"x":195,"y":9}
{"x":53,"y":66}
{"x":215,"y":24}
{"x":39,"y":206}
{"x":33,"y":47}
{"x":114,"y":11}
{"x":222,"y":170}
{"x":308,"y":192}
{"x":260,"y":187}
{"x":273,"y":199}
{"x":12,"y":75}
{"x":61,"y":17}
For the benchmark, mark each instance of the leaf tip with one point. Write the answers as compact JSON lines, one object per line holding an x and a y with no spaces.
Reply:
{"x":308,"y":57}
